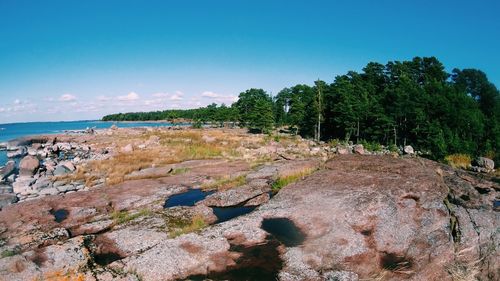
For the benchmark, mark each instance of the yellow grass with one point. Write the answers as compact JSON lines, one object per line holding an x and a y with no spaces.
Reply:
{"x":462,"y":161}
{"x":226,"y":183}
{"x":175,"y":147}
{"x":291,"y":178}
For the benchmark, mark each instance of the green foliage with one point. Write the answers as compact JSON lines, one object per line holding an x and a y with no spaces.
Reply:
{"x":122,"y":217}
{"x":371,"y":146}
{"x":197,"y":124}
{"x":212,"y":113}
{"x":255,"y":109}
{"x":9,"y":253}
{"x":413,"y":102}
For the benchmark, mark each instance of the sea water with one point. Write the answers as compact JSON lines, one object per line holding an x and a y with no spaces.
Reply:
{"x":16,"y":130}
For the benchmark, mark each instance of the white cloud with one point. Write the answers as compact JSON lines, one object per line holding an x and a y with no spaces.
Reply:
{"x":209,"y":94}
{"x":103,"y":98}
{"x":67,"y":97}
{"x":176,"y":97}
{"x":218,"y":97}
{"x":161,"y":95}
{"x":130,"y":97}
{"x":17,"y":101}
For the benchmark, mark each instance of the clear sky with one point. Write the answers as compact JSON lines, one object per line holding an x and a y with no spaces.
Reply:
{"x":73,"y":60}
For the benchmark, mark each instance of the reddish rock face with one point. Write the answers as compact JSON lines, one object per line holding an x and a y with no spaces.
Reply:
{"x":393,"y":217}
{"x":362,"y":217}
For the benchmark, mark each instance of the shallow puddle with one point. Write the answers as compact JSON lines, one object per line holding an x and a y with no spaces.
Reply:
{"x":260,"y":262}
{"x":225,"y":214}
{"x":188,"y":198}
{"x":284,"y":230}
{"x":59,"y":215}
{"x":496,"y":203}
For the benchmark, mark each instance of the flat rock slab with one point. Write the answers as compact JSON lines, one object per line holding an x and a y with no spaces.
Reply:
{"x":362,"y":217}
{"x":234,"y":196}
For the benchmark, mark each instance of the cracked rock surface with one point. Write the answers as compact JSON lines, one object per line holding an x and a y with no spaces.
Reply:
{"x":358,"y":218}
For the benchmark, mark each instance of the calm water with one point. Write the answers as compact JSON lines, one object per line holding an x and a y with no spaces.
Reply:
{"x":17,"y":130}
{"x":188,"y":198}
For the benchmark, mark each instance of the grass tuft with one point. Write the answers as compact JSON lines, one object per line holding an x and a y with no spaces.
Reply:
{"x":197,"y":223}
{"x":291,"y":178}
{"x":124,"y":216}
{"x":462,"y":161}
{"x":179,"y":171}
{"x":464,"y":271}
{"x":8,"y":253}
{"x":226,"y":183}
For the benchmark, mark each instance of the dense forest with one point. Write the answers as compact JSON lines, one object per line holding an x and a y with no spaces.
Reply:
{"x":403,"y":102}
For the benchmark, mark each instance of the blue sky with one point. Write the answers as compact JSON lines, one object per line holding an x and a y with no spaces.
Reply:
{"x":73,"y":60}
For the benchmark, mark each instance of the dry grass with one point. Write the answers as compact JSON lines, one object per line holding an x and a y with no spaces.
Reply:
{"x":174,"y":147}
{"x":462,"y":161}
{"x":291,"y":178}
{"x":464,"y":271}
{"x":225,"y":183}
{"x":197,"y":223}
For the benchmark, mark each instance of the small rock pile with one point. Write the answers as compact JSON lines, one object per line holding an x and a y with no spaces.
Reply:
{"x":29,"y":172}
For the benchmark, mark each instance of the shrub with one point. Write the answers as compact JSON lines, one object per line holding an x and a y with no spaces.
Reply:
{"x":371,"y":146}
{"x":197,"y":124}
{"x":334,"y":142}
{"x":393,"y":148}
{"x":462,"y":161}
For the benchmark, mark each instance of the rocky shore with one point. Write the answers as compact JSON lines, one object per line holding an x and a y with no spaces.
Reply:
{"x":226,"y":205}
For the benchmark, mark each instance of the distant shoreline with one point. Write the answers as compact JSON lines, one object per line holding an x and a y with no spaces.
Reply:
{"x":96,"y":121}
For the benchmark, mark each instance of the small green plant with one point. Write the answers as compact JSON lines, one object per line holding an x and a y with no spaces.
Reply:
{"x":196,"y":224}
{"x":371,"y":146}
{"x":393,"y":148}
{"x":288,"y":179}
{"x":462,"y":161}
{"x":335,"y":142}
{"x":9,"y":253}
{"x":122,"y":217}
{"x":178,"y":171}
{"x":197,"y":124}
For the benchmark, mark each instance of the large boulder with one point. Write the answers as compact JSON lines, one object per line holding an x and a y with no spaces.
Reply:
{"x":359,"y":149}
{"x":28,"y":166}
{"x":485,"y":163}
{"x":409,"y":150}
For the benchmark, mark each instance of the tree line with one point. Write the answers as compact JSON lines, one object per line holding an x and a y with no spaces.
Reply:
{"x":412,"y":102}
